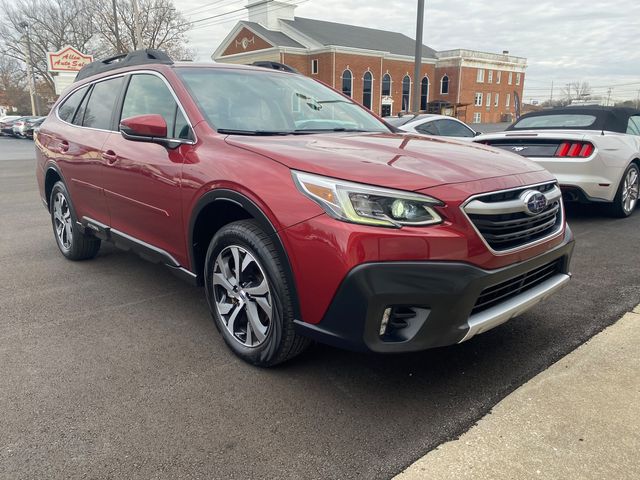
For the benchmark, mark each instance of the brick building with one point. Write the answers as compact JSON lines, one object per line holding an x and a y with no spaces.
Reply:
{"x":375,"y":67}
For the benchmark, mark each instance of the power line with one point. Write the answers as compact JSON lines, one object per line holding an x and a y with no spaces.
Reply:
{"x":241,"y":16}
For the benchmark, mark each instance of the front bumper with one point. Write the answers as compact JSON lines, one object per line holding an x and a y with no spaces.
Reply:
{"x":442,"y":295}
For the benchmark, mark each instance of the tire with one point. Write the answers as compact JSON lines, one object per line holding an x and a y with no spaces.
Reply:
{"x":255,"y":314}
{"x":626,"y":197}
{"x":73,"y":244}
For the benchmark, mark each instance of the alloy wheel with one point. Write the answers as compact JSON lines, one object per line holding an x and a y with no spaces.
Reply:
{"x":630,"y":190}
{"x":62,"y":221}
{"x":242,"y":296}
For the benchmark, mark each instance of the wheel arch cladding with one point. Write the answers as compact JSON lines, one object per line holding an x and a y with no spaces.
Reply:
{"x":218,"y":208}
{"x":51,"y":177}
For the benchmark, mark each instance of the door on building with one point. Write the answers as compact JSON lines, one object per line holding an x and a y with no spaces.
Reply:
{"x":386,"y":111}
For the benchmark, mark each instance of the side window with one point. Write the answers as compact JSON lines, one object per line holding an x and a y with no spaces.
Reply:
{"x":77,"y":118}
{"x":69,"y":106}
{"x":148,"y":94}
{"x":633,"y":127}
{"x":451,"y":128}
{"x":102,"y":101}
{"x":428,"y":128}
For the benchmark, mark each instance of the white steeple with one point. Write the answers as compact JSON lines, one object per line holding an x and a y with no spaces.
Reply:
{"x":268,"y":12}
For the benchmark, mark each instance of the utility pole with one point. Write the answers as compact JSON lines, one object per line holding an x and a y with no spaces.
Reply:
{"x":551,"y":96}
{"x":418,"y":58}
{"x":138,"y":32}
{"x":115,"y":28}
{"x":609,"y":96}
{"x":32,"y":81}
{"x":638,"y":100}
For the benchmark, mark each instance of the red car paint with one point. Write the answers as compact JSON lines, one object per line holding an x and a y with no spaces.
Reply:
{"x":150,"y":192}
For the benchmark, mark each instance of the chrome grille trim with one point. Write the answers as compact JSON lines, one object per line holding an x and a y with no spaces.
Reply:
{"x":474,"y":206}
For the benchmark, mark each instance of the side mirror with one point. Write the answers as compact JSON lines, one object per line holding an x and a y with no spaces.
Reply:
{"x":144,"y":128}
{"x":476,"y":134}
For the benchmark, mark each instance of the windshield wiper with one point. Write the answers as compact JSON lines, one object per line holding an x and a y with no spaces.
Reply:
{"x":265,"y":133}
{"x":327,"y":130}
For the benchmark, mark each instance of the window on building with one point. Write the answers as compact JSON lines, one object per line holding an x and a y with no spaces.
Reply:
{"x":386,"y":85}
{"x":496,"y":101}
{"x":406,"y":93}
{"x":518,"y":75}
{"x":444,"y":85}
{"x":424,"y":93}
{"x":347,"y":82}
{"x":480,"y":76}
{"x":490,"y":76}
{"x":498,"y":76}
{"x":510,"y":78}
{"x":314,"y":66}
{"x":488,"y":104}
{"x":367,"y":90}
{"x":477,"y":117}
{"x":508,"y":101}
{"x":102,"y":101}
{"x":478,"y":102}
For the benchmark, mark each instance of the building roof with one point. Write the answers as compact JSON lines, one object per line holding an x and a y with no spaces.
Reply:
{"x":277,"y":39}
{"x":343,"y":35}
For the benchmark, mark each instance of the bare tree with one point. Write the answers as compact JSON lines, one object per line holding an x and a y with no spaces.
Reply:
{"x":577,"y":91}
{"x":13,"y":85}
{"x":162,"y":26}
{"x":88,"y":26}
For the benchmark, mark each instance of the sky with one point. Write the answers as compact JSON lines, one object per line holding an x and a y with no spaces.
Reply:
{"x":563,"y":41}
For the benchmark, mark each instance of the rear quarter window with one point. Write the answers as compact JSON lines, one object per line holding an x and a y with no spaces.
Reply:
{"x":69,"y":106}
{"x":633,"y":128}
{"x":556,"y":121}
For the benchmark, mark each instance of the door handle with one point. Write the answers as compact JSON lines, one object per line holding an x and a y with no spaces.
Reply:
{"x":110,"y":157}
{"x":64,"y":146}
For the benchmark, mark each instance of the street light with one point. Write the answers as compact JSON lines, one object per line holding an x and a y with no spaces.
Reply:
{"x":32,"y":81}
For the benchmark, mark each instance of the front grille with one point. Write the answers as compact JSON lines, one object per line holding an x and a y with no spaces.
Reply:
{"x":504,"y":222}
{"x":503,"y":291}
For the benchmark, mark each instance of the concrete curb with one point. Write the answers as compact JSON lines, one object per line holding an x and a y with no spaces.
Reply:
{"x":579,"y":419}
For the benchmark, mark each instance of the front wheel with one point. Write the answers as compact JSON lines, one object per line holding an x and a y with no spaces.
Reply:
{"x":628,"y":191}
{"x":249,"y":295}
{"x":72,"y":243}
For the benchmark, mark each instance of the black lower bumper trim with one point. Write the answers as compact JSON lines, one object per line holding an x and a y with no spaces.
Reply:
{"x":442,"y":295}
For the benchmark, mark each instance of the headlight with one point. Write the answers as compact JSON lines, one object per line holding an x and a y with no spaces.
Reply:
{"x":369,"y":205}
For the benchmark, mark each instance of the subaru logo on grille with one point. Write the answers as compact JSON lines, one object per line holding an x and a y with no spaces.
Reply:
{"x":534,"y":201}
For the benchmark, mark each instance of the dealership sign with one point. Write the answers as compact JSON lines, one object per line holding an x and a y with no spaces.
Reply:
{"x":64,"y":65}
{"x":67,"y":60}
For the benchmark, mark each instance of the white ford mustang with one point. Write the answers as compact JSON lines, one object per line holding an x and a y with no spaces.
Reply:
{"x":594,"y":152}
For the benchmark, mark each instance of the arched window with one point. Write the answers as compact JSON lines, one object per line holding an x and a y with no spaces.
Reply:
{"x":406,"y":93}
{"x":386,"y":85}
{"x":424,"y":93}
{"x":444,"y":84}
{"x":367,"y":90}
{"x":347,"y":82}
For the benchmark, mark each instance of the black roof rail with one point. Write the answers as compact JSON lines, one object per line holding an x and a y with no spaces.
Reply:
{"x":137,"y":57}
{"x":275,"y":66}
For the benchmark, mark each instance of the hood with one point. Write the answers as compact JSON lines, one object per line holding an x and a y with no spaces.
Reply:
{"x":406,"y":162}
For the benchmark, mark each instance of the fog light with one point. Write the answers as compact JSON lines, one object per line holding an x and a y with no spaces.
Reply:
{"x":385,"y":321}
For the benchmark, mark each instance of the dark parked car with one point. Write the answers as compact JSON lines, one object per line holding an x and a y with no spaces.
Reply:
{"x":302,"y":214}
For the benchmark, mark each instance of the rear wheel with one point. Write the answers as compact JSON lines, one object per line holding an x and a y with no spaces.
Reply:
{"x":249,"y":295}
{"x":73,"y":244}
{"x":628,"y":191}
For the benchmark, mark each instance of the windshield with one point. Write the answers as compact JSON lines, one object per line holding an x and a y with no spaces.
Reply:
{"x":249,"y":102}
{"x":556,"y":121}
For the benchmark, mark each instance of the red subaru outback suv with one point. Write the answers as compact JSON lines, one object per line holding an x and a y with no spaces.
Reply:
{"x":304,"y":216}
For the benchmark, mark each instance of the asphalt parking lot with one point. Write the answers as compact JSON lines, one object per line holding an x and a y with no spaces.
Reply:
{"x":113,"y":369}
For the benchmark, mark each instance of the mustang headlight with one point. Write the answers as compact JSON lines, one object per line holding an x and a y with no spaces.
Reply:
{"x":369,"y":205}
